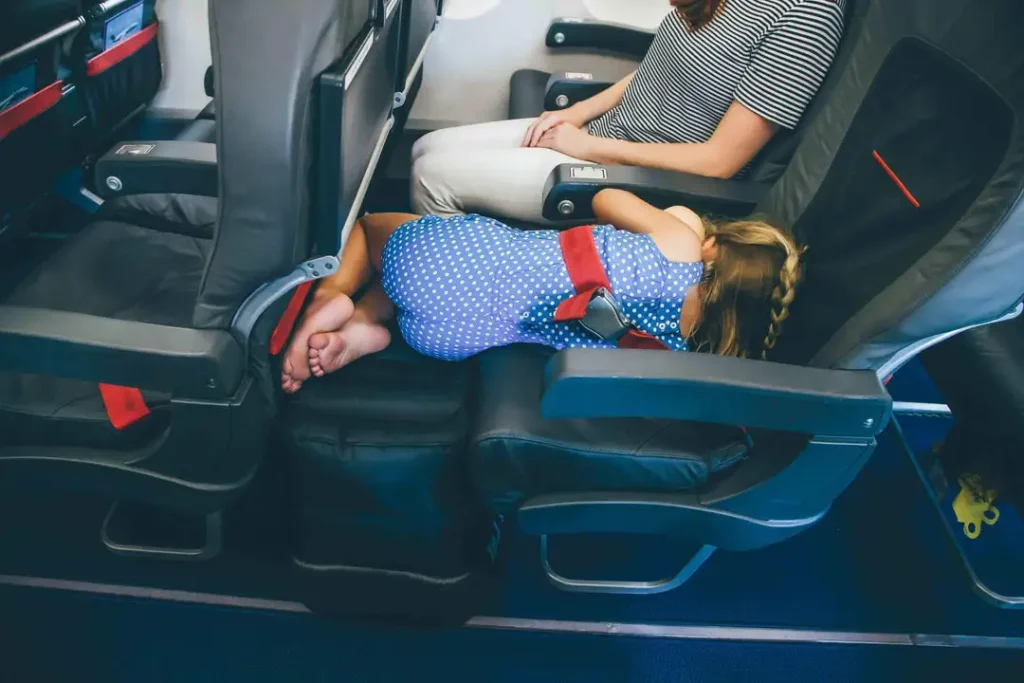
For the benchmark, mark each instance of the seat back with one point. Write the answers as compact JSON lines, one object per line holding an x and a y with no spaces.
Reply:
{"x":285,"y":75}
{"x":23,"y":20}
{"x":117,"y":63}
{"x":773,"y":159}
{"x":40,"y":110}
{"x":907,"y":185}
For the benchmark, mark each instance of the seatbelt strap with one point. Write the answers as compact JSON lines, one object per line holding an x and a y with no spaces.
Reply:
{"x":283,"y":330}
{"x":590,"y":281}
{"x":124,"y":405}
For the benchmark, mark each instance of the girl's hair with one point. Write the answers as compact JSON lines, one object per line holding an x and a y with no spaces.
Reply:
{"x":697,"y":13}
{"x":748,"y":288}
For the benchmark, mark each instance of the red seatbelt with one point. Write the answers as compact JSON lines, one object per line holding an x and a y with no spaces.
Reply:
{"x":125,"y":405}
{"x":587,"y":274}
{"x":283,"y":330}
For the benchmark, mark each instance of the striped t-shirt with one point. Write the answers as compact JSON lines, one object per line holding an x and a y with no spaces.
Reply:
{"x":770,"y":55}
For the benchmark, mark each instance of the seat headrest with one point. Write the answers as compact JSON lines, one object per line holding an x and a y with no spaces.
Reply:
{"x":907,"y":182}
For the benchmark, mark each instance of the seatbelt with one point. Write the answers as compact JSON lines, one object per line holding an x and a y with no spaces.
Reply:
{"x":593,"y":306}
{"x":124,"y":405}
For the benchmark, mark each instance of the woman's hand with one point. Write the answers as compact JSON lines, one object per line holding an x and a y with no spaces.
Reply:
{"x":549,"y":119}
{"x":568,"y":139}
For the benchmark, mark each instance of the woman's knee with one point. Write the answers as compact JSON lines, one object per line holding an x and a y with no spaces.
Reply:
{"x":425,"y":145}
{"x":431,"y":191}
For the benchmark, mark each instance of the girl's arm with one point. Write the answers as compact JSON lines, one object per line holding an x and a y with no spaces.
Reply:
{"x":678,"y":232}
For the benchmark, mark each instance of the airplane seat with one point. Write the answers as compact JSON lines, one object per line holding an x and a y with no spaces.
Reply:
{"x":136,"y":360}
{"x":117,"y":62}
{"x":384,"y":511}
{"x":41,"y":110}
{"x":419,"y":19}
{"x":980,"y":374}
{"x":907,"y":189}
{"x":359,"y":16}
{"x":533,"y":92}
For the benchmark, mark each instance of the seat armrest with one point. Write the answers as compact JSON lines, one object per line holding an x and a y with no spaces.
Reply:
{"x":183,"y":361}
{"x":593,"y":383}
{"x":591,"y":34}
{"x":566,"y":88}
{"x":165,"y":166}
{"x":570,"y":190}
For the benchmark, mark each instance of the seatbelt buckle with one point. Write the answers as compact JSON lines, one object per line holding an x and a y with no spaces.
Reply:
{"x":604,"y":318}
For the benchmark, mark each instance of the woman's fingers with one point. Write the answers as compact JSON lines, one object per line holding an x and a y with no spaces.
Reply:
{"x":543,"y":125}
{"x":531,"y":132}
{"x":548,"y":138}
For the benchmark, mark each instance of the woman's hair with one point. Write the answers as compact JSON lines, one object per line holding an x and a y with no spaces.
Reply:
{"x":697,"y":13}
{"x":747,"y":289}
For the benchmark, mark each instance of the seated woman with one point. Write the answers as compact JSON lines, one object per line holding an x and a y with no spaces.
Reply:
{"x":466,"y":284}
{"x":721,"y":77}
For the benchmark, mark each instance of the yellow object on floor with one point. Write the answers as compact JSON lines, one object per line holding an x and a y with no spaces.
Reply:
{"x":974,"y":505}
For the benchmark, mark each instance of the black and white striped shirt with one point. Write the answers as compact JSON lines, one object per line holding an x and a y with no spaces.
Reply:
{"x":770,"y":55}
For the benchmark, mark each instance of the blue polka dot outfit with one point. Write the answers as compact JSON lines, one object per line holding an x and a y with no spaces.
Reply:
{"x":469,"y":283}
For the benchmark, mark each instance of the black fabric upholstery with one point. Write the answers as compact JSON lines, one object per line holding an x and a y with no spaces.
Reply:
{"x":518,"y":454}
{"x":981,"y":375}
{"x":526,"y":93}
{"x":113,"y":269}
{"x":377,"y":456}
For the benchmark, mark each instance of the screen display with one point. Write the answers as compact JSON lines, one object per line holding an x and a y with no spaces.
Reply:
{"x":123,"y":25}
{"x":17,"y":86}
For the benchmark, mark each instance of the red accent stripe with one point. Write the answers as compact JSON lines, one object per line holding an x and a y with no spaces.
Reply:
{"x":125,"y":405}
{"x":896,"y":179}
{"x":284,"y":327}
{"x":122,"y":51}
{"x":29,"y":108}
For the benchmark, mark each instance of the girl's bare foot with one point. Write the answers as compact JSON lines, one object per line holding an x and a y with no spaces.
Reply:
{"x":330,"y":314}
{"x":331,"y":351}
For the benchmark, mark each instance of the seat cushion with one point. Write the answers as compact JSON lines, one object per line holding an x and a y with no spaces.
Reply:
{"x":200,"y":130}
{"x":376,"y":456}
{"x":209,"y":112}
{"x":526,"y":93}
{"x":517,"y":454}
{"x":114,"y":269}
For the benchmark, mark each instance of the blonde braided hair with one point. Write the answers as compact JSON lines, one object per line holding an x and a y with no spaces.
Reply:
{"x":783,"y":294}
{"x":753,"y":276}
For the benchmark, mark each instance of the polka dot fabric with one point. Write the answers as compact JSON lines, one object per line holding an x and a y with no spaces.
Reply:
{"x":469,"y":283}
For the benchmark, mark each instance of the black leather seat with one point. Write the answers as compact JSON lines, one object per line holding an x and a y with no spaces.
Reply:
{"x":518,"y":454}
{"x":136,"y":360}
{"x":532,"y":92}
{"x":41,"y":111}
{"x":604,"y":441}
{"x":527,"y":92}
{"x":980,"y":373}
{"x":141,"y":260}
